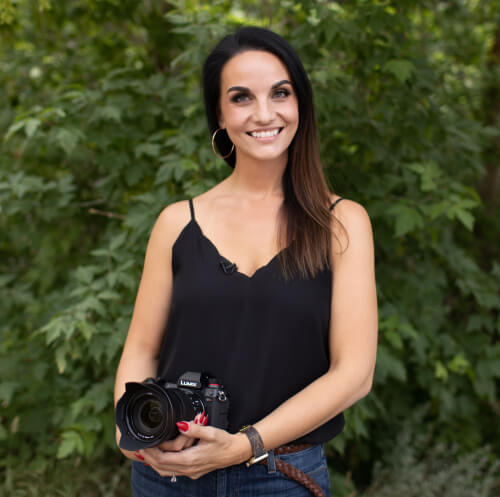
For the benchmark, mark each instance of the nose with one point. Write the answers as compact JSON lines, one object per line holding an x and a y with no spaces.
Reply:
{"x":264,"y":111}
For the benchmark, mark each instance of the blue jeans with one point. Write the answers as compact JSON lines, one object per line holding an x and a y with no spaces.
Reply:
{"x":238,"y":480}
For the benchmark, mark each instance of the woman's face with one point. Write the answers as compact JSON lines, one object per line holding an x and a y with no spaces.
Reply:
{"x":258,"y":106}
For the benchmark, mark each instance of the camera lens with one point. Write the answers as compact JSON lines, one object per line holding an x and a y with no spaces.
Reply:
{"x":151,"y":414}
{"x":147,"y":412}
{"x":148,"y":415}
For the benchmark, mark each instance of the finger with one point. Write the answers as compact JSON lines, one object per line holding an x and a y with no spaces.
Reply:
{"x":199,"y":417}
{"x":203,"y":432}
{"x":166,"y":463}
{"x":181,"y":441}
{"x":165,"y":472}
{"x":168,"y":460}
{"x":139,"y":457}
{"x":176,"y":444}
{"x":154,"y":457}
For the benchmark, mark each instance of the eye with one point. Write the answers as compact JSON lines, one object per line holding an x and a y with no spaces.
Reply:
{"x":281,"y":93}
{"x":240,"y":97}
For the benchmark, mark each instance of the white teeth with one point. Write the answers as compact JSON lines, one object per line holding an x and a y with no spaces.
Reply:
{"x":264,"y":134}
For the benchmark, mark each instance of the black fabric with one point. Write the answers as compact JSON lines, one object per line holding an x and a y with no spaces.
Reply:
{"x":264,"y":338}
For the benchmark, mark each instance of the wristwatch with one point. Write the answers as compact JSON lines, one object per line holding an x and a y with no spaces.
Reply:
{"x":258,"y":449}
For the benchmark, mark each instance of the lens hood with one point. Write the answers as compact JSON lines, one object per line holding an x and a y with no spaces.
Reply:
{"x":145,"y":415}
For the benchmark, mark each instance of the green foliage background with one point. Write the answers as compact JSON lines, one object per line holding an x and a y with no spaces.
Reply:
{"x":101,"y":113}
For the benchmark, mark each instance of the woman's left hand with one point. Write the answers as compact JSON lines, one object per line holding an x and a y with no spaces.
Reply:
{"x":215,"y":449}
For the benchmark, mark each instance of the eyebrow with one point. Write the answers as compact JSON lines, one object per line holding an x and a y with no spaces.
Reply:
{"x":244,"y":88}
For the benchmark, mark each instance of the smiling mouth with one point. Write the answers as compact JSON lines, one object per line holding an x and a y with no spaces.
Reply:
{"x":265,"y":134}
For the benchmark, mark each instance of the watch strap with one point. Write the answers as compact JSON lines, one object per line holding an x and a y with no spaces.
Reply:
{"x":258,"y":449}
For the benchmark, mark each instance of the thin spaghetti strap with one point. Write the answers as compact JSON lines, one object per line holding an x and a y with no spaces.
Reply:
{"x":335,"y":203}
{"x":191,"y":208}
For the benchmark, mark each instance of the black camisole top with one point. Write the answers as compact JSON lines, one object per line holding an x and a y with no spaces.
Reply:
{"x":263,"y":337}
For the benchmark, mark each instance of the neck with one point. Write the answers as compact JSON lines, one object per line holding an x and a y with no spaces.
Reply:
{"x":258,"y":179}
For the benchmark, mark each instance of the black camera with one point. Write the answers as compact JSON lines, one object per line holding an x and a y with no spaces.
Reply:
{"x":147,"y":412}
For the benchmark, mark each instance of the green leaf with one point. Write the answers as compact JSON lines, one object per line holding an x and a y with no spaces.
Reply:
{"x":408,"y":330}
{"x":85,"y":274}
{"x":13,"y":128}
{"x":459,"y":364}
{"x":61,"y":359}
{"x":67,"y":139}
{"x":401,"y":69}
{"x":437,"y":209}
{"x":107,"y":113}
{"x":31,"y":126}
{"x":7,"y":390}
{"x":71,"y":442}
{"x":108,"y":295}
{"x":407,"y":219}
{"x":78,"y":406}
{"x":429,"y":173}
{"x":394,"y":339}
{"x":100,"y":394}
{"x":389,"y":365}
{"x":465,"y":217}
{"x":440,"y":371}
{"x":118,"y":241}
{"x":147,"y":150}
{"x":92,"y":303}
{"x":87,"y":329}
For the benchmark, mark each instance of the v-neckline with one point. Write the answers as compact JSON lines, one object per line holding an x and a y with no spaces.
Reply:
{"x":225,"y":259}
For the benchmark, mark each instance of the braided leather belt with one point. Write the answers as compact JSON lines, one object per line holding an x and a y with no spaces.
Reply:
{"x":295,"y":473}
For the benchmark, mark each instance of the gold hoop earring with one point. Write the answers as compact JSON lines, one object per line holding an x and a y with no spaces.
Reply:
{"x":214,"y":149}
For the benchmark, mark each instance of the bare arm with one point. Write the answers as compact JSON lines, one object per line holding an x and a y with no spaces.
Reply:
{"x":142,"y":347}
{"x":353,"y":338}
{"x":353,"y":343}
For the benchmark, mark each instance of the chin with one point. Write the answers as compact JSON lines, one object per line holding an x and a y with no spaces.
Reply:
{"x":270,"y":157}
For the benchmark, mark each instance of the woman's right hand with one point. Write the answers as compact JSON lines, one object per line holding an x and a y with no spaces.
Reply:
{"x":129,"y":454}
{"x":175,"y":445}
{"x":182,"y":441}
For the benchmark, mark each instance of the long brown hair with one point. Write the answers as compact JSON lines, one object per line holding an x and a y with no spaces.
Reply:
{"x":305,"y":219}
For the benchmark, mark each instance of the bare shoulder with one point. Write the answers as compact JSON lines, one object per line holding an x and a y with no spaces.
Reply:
{"x":350,"y":224}
{"x":350,"y":211}
{"x":171,"y":222}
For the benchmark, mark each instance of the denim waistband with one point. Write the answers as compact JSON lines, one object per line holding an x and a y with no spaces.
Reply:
{"x":237,"y":480}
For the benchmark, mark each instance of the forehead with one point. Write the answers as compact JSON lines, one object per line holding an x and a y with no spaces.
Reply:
{"x":253,"y":69}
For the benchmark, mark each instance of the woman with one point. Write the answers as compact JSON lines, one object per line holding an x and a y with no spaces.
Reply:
{"x":259,"y":283}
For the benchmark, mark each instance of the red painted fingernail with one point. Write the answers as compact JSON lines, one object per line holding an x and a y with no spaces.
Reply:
{"x":139,"y":456}
{"x":146,"y":464}
{"x":182,"y":425}
{"x":205,"y":421}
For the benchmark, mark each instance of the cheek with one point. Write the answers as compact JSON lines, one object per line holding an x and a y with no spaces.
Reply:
{"x":291,"y":112}
{"x":236,"y":118}
{"x":293,"y":118}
